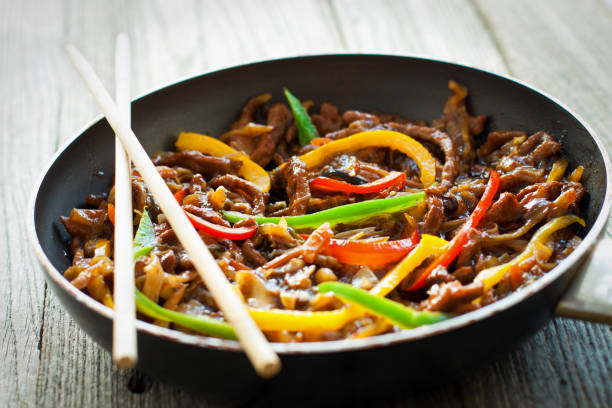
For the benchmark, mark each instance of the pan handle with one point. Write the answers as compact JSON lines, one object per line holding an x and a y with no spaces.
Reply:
{"x":589,"y":296}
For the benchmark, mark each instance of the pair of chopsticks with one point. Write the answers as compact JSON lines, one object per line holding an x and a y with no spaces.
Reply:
{"x":258,"y":350}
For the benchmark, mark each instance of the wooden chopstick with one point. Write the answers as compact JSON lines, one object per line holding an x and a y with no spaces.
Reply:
{"x":125,"y":352}
{"x":258,"y":350}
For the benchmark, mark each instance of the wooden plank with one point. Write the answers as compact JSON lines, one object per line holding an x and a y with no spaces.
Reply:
{"x":447,"y":30}
{"x":27,"y":138}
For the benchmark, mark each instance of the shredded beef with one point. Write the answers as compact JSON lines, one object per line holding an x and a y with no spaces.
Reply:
{"x":279,"y":117}
{"x":434,"y":216}
{"x":496,"y":139}
{"x":505,"y":210}
{"x":248,"y":112}
{"x":198,"y":162}
{"x":249,"y":190}
{"x":328,"y":120}
{"x":444,"y":142}
{"x":538,"y":147}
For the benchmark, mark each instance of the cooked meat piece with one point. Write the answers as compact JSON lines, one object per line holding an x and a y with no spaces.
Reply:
{"x":354,"y":128}
{"x":434,"y":216}
{"x":456,"y":121}
{"x":251,"y":254}
{"x":249,"y":190}
{"x":279,"y":117}
{"x":297,"y":188}
{"x":198,"y":162}
{"x":496,"y":139}
{"x":390,"y":117}
{"x":506,"y":209}
{"x":248,"y":112}
{"x":538,"y":147}
{"x":450,"y":295}
{"x":351,"y":116}
{"x":444,"y":142}
{"x":328,"y":120}
{"x":86,"y":223}
{"x":520,"y":177}
{"x":471,"y":247}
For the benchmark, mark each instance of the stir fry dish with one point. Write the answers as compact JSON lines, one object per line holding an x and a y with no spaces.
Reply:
{"x":336,"y":225}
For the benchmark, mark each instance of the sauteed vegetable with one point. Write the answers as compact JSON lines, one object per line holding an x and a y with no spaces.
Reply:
{"x":341,"y":225}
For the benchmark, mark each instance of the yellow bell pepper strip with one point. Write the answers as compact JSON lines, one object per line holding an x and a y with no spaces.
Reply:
{"x":402,"y":316}
{"x":376,"y":138}
{"x":558,"y":170}
{"x":307,"y":131}
{"x":293,"y":320}
{"x":576,"y":174}
{"x":342,"y":214}
{"x":249,"y":170}
{"x":250,"y":129}
{"x":429,"y":245}
{"x":460,"y":239}
{"x":492,"y":276}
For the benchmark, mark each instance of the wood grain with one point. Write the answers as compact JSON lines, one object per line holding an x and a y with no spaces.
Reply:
{"x":48,"y":361}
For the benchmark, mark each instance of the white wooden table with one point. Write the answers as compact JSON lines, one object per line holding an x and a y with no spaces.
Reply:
{"x":562,"y":47}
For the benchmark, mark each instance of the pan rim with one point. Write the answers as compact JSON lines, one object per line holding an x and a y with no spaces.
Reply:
{"x":345,"y":345}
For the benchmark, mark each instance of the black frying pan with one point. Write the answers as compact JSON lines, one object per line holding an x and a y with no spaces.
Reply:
{"x":355,"y":369}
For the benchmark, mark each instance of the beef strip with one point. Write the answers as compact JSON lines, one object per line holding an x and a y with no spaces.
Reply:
{"x":328,"y":120}
{"x":521,"y":177}
{"x":505,"y":210}
{"x":458,"y":123}
{"x":496,"y":139}
{"x":434,"y":216}
{"x":298,"y":190}
{"x":86,"y":223}
{"x":198,"y":162}
{"x":450,"y":295}
{"x":251,"y":254}
{"x":538,"y":147}
{"x":444,"y":142}
{"x":249,"y":190}
{"x":248,"y":112}
{"x":279,"y":117}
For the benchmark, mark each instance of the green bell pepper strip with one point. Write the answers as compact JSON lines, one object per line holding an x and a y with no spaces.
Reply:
{"x":306,"y":129}
{"x":341,"y":214}
{"x":199,"y":323}
{"x":144,"y":241}
{"x":397,"y":313}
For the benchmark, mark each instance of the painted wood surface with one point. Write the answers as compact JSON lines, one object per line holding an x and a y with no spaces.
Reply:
{"x":562,"y":47}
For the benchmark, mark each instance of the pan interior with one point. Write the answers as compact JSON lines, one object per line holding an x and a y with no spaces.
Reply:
{"x":413,"y":88}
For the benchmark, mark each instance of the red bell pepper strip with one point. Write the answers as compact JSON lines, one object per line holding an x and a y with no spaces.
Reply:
{"x":395,"y":178}
{"x":456,"y":245}
{"x":180,"y":195}
{"x":371,"y":253}
{"x":221,"y":231}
